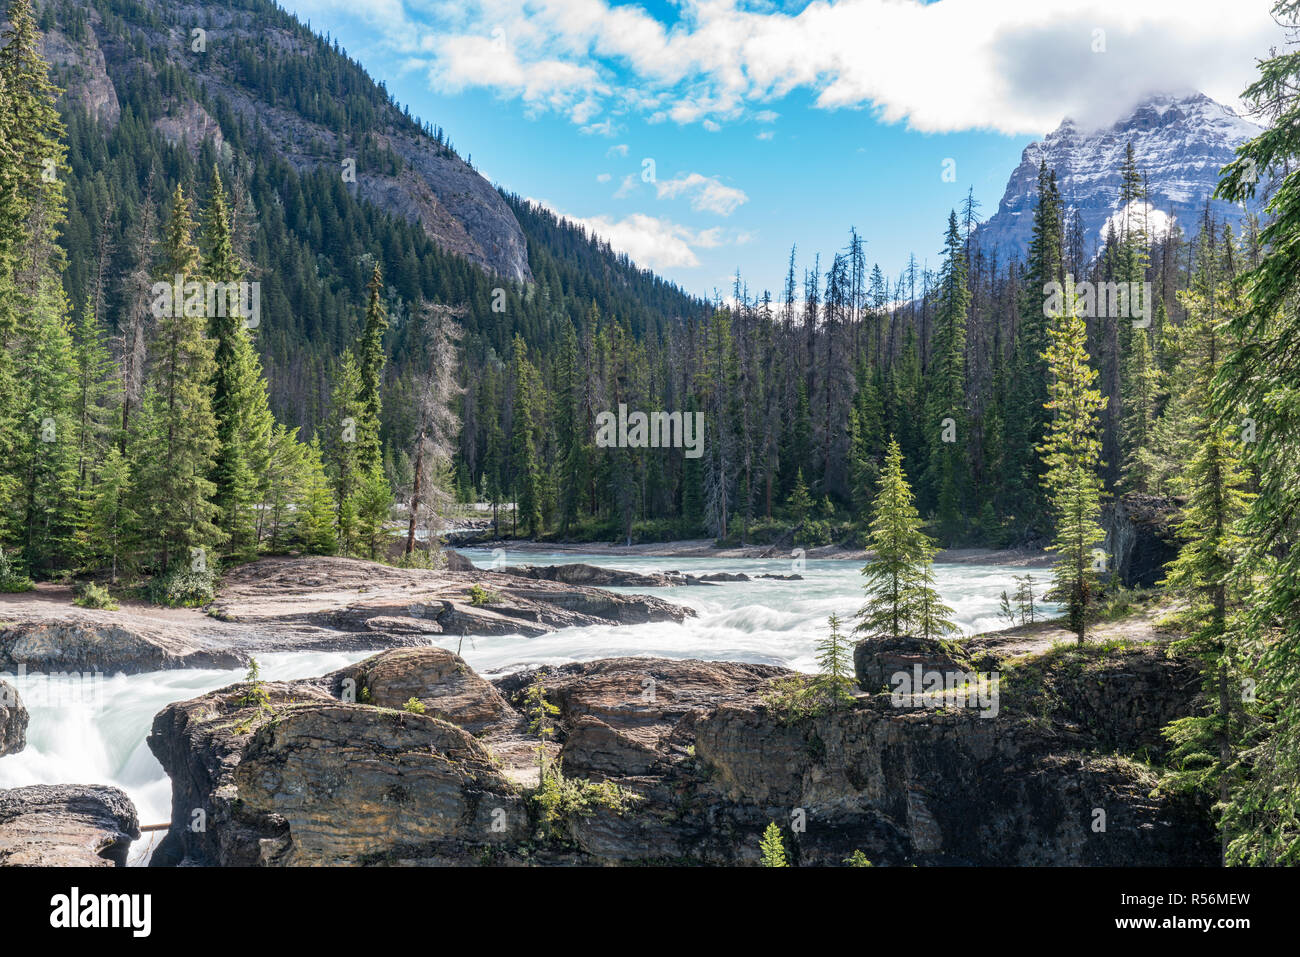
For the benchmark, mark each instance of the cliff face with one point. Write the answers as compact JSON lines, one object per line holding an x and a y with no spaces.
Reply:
{"x":680,"y":761}
{"x":13,"y":721}
{"x":429,"y":184}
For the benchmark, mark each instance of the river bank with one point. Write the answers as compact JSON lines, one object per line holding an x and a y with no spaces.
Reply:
{"x":707,"y":548}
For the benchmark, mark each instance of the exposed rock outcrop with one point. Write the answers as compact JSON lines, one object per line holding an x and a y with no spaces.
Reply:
{"x":309,"y":604}
{"x":1140,"y":537}
{"x":66,"y":825}
{"x":311,"y":779}
{"x":684,"y":761}
{"x":13,"y":720}
{"x":102,"y":642}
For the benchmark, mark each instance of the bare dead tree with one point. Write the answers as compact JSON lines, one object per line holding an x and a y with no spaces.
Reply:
{"x":437,"y":423}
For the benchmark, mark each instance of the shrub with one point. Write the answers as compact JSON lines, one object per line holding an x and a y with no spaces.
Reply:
{"x":183,"y":587}
{"x":414,"y":705}
{"x":91,"y":595}
{"x":559,"y":799}
{"x":773,"y":847}
{"x":479,"y":596}
{"x":11,"y":580}
{"x":857,"y":859}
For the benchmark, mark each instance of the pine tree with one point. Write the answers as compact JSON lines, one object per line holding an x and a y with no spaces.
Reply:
{"x":1072,"y":455}
{"x":835,"y":661}
{"x":244,"y":424}
{"x":901,"y":599}
{"x":177,"y":439}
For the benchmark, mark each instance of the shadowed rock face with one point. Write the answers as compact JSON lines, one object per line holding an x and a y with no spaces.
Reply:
{"x":66,"y":825}
{"x":704,"y":758}
{"x":13,"y":720}
{"x":316,"y":780}
{"x":1140,"y":537}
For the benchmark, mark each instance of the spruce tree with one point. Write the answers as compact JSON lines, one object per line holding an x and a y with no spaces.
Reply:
{"x":772,"y":847}
{"x":947,"y":420}
{"x":1071,"y":457}
{"x":901,"y":599}
{"x":835,"y":660}
{"x":1260,"y":382}
{"x":239,"y":403}
{"x":178,"y":439}
{"x":1205,"y":571}
{"x":370,"y":369}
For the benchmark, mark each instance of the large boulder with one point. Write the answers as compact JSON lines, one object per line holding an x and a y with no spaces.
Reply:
{"x":344,"y":784}
{"x":878,"y":662}
{"x":439,"y":679}
{"x":66,"y":825}
{"x":313,"y":776}
{"x":13,"y":720}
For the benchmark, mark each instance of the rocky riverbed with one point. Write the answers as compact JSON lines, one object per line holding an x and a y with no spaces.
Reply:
{"x":306,"y":604}
{"x":670,"y":761}
{"x":411,"y":756}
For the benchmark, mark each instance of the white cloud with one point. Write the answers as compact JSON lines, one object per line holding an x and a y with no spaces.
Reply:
{"x":765,"y":135}
{"x":602,"y":177}
{"x":605,"y":127}
{"x":649,"y":241}
{"x":1016,"y":66}
{"x":706,"y":193}
{"x":629,"y":185}
{"x":618,"y":149}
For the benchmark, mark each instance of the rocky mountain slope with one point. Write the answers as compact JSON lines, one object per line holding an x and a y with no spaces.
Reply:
{"x":1179,"y":142}
{"x":246,"y":49}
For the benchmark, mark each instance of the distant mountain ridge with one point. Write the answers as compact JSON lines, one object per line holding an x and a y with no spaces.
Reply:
{"x":1180,"y":144}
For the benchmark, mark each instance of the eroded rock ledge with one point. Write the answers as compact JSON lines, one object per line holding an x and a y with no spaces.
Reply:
{"x":311,"y":604}
{"x":331,"y":772}
{"x":66,"y":825}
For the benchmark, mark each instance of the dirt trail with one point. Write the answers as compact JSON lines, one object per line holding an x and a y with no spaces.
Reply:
{"x":1138,"y":627}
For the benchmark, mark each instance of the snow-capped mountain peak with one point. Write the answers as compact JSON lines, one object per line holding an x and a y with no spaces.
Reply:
{"x":1180,"y":143}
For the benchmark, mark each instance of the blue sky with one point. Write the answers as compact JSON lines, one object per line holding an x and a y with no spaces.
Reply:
{"x":771,"y":124}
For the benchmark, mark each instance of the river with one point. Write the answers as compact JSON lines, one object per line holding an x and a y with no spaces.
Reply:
{"x":100,"y":739}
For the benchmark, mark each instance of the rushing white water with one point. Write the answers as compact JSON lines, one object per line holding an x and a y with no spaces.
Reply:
{"x":93,"y":731}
